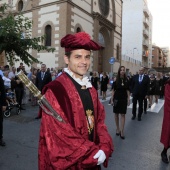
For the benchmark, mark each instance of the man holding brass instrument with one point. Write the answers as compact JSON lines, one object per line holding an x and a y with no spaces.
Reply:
{"x":81,"y":141}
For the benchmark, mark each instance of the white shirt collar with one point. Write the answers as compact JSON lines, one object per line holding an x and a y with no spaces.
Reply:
{"x":84,"y":82}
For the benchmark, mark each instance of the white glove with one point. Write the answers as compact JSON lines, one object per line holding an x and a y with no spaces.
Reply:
{"x":100,"y":155}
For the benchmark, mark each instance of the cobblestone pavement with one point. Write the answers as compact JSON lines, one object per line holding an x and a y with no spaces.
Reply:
{"x":139,"y":151}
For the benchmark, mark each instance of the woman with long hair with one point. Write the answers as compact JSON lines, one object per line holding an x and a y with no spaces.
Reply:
{"x":158,"y":86}
{"x":120,"y":100}
{"x":95,"y":80}
{"x":104,"y":83}
{"x":152,"y":85}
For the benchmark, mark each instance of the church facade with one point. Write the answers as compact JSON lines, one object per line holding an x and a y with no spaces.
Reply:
{"x":101,"y":19}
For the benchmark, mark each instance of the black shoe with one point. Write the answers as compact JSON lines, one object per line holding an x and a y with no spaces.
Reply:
{"x":139,"y":119}
{"x":145,"y":112}
{"x":117,"y":133}
{"x":37,"y":117}
{"x":164,"y":157}
{"x":21,"y":108}
{"x":122,"y":137}
{"x":133,"y":117}
{"x":2,"y":143}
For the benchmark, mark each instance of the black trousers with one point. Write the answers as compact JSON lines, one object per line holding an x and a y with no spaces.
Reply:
{"x":145,"y":104}
{"x":1,"y":123}
{"x":138,"y":98}
{"x":19,"y":95}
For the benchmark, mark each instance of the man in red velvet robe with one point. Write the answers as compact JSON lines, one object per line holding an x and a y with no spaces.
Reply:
{"x":82,"y":141}
{"x":165,"y":135}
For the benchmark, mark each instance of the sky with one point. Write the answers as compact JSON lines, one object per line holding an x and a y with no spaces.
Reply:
{"x":160,"y":10}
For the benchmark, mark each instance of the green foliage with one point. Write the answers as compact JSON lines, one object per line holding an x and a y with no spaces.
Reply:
{"x":16,"y":39}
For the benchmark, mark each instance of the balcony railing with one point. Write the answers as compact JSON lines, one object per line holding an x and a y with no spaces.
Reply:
{"x":145,"y":43}
{"x":145,"y":53}
{"x":146,"y":21}
{"x":146,"y":11}
{"x":146,"y":33}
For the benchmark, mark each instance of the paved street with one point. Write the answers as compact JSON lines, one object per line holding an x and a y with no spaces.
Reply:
{"x":139,"y":151}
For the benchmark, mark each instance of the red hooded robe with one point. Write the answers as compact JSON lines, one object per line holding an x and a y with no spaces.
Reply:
{"x":65,"y":145}
{"x":165,"y":135}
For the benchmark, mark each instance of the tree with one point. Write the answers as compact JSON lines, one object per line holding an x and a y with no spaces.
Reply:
{"x":16,"y":39}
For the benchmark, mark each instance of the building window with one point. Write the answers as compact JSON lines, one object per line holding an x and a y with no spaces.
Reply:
{"x":20,"y":5}
{"x":101,"y":40}
{"x":78,"y":29}
{"x":104,"y":7}
{"x":48,"y":35}
{"x":117,"y":52}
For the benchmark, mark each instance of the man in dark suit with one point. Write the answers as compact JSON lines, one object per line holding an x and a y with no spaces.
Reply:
{"x":2,"y":109}
{"x":43,"y":77}
{"x":140,"y":85}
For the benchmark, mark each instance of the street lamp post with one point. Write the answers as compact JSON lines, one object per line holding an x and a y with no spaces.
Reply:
{"x":133,"y":51}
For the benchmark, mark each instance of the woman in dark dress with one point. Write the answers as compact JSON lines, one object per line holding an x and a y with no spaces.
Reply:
{"x":95,"y":80}
{"x":158,"y":87}
{"x":151,"y":91}
{"x":120,"y":100}
{"x":104,"y":82}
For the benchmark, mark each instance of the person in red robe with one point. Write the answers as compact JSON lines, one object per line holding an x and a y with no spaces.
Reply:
{"x":81,"y":141}
{"x":165,"y":135}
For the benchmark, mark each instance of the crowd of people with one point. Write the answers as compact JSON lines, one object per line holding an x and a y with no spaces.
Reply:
{"x":75,"y":136}
{"x":16,"y":89}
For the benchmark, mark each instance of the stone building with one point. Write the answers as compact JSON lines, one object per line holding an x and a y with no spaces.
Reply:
{"x":166,"y":51}
{"x":159,"y":59}
{"x":102,"y":19}
{"x":137,"y":35}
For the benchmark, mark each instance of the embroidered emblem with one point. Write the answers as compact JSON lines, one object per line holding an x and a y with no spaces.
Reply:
{"x":90,"y":120}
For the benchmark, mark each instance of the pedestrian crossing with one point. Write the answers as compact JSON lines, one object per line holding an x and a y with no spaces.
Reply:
{"x":107,"y":99}
{"x":155,"y":108}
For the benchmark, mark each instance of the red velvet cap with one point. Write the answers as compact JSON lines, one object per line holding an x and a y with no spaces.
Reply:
{"x":80,"y":40}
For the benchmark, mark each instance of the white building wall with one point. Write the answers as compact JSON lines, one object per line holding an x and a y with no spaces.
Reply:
{"x":132,"y":29}
{"x":85,"y":4}
{"x":150,"y":41}
{"x":15,"y":4}
{"x":84,"y":20}
{"x":3,"y":2}
{"x":48,"y":59}
{"x":96,"y":6}
{"x":42,"y":2}
{"x":49,"y":14}
{"x":118,"y":12}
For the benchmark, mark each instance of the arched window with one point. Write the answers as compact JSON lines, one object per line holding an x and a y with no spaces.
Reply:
{"x":117,"y":52}
{"x":101,"y":40}
{"x":48,"y":35}
{"x":20,"y":5}
{"x":78,"y":29}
